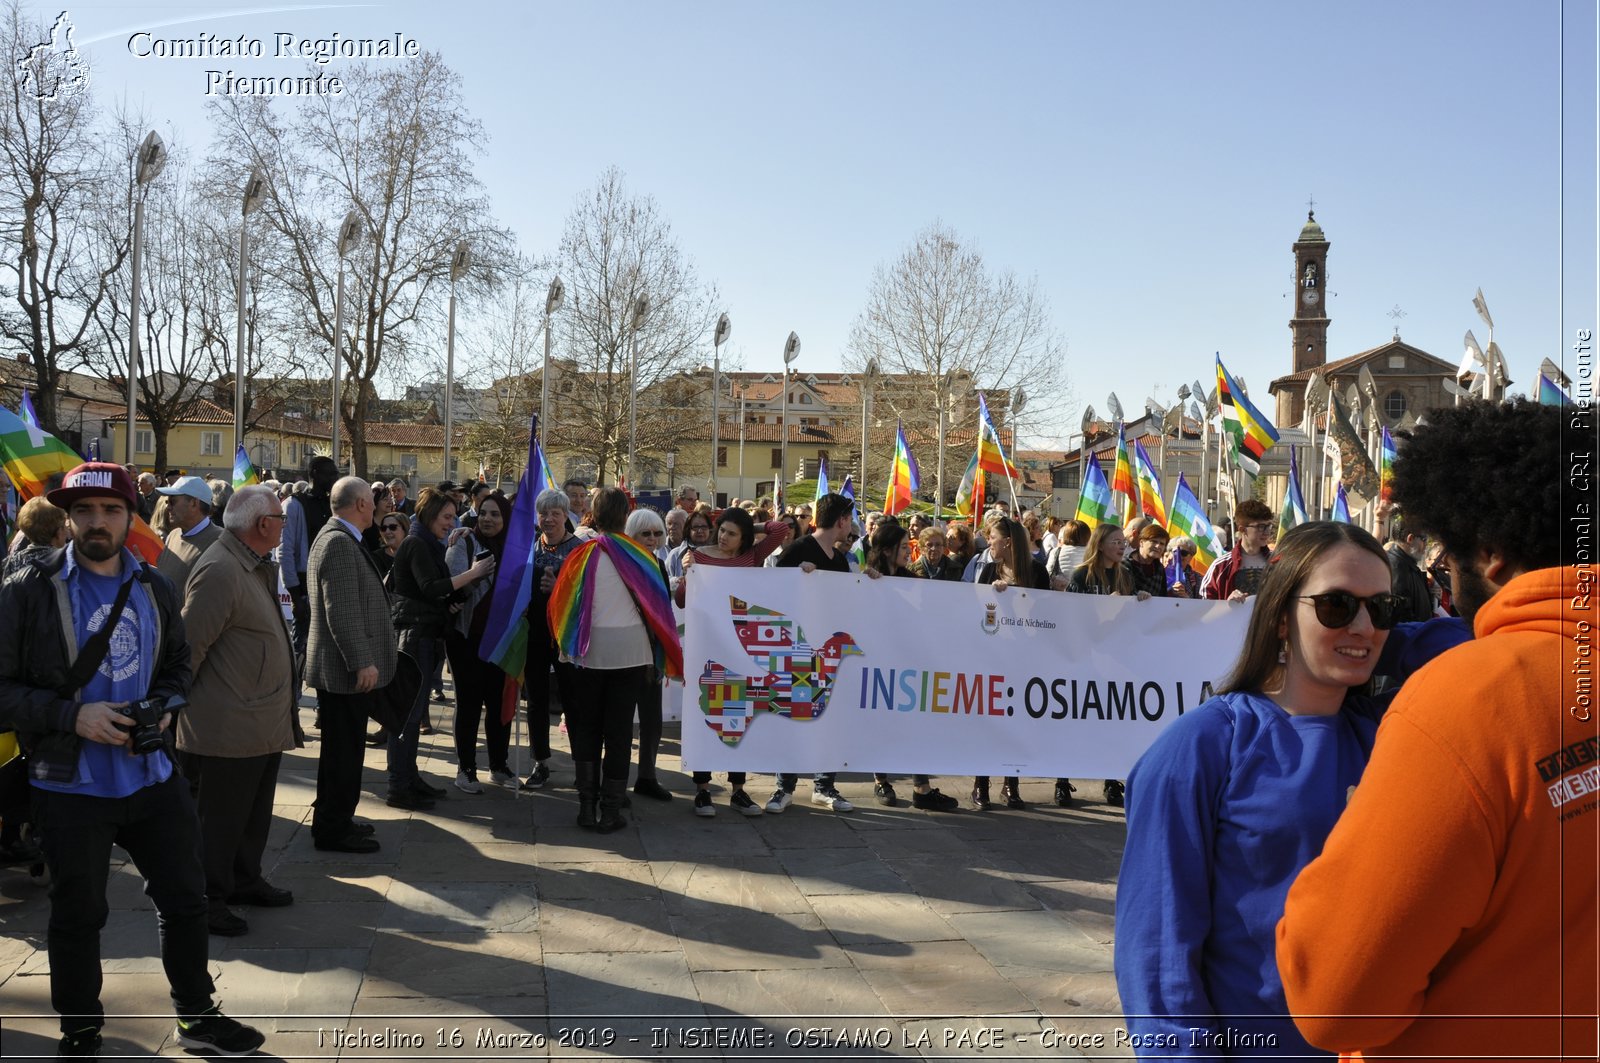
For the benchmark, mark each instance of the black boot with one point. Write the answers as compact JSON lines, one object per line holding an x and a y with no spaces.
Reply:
{"x":612,"y":793}
{"x":588,"y":783}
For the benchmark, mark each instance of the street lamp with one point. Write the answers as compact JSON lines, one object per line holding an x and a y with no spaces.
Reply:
{"x":552,"y":303}
{"x":641,"y":307}
{"x":718,"y":338}
{"x":791,"y":351}
{"x":869,"y":377}
{"x":255,"y":189}
{"x":672,"y":472}
{"x":349,"y":238}
{"x":152,"y":156}
{"x":459,"y":263}
{"x":743,"y":392}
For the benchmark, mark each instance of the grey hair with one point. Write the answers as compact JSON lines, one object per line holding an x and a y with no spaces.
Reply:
{"x":347,"y":491}
{"x":552,"y":499}
{"x":641,"y":520}
{"x":248,"y":505}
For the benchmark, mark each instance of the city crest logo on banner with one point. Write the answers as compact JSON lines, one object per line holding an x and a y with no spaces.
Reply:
{"x":795,"y":679}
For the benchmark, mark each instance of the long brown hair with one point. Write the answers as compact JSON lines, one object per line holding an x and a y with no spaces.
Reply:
{"x":1118,"y":581}
{"x":1299,"y":552}
{"x":1019,"y":570}
{"x":883,"y":546}
{"x":429,"y":502}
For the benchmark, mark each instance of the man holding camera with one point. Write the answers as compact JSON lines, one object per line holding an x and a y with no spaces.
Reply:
{"x":93,"y":664}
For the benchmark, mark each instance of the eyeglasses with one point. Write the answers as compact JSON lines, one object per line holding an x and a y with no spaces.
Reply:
{"x":393,"y":527}
{"x":652,"y":534}
{"x":1338,"y":608}
{"x":1255,"y":527}
{"x":275,"y":516}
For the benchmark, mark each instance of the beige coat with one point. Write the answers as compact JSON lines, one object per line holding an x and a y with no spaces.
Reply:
{"x":242,"y":702}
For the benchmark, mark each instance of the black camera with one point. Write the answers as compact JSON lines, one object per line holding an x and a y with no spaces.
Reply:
{"x":144,"y":733}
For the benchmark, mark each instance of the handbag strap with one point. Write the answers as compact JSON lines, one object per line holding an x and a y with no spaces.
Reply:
{"x":94,"y":651}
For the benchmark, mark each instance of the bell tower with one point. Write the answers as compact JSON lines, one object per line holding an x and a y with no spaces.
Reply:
{"x":1309,"y":326}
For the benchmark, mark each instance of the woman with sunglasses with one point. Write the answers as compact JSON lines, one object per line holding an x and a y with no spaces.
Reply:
{"x":1182,"y":580}
{"x":391,"y":532}
{"x":647,"y":529}
{"x":1235,"y":797}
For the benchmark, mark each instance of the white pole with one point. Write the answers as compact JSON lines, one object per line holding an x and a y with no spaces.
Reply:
{"x":450,"y":379}
{"x":238,"y":358}
{"x":133,"y":328}
{"x":338,"y":338}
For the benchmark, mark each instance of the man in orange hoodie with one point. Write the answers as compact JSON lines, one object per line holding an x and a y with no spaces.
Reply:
{"x":1452,"y":912}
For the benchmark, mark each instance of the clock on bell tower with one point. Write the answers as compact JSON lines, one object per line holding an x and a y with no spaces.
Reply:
{"x":1309,"y":326}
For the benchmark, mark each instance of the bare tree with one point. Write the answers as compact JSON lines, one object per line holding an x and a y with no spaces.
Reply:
{"x":510,"y":365}
{"x":55,"y":170}
{"x":616,"y":249}
{"x":938,"y":313}
{"x":398,"y":147}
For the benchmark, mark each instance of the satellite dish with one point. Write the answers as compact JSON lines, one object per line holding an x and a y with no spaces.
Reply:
{"x":1183,"y":393}
{"x":350,"y":231}
{"x":152,"y":157}
{"x":1473,"y":360}
{"x":1198,"y":390}
{"x":558,"y":292}
{"x":1114,"y":406}
{"x":1369,"y":386}
{"x":460,"y":261}
{"x":1154,"y":408}
{"x":791,"y":348}
{"x":1316,"y":392}
{"x":723,"y":331}
{"x":1454,"y":390}
{"x":1088,"y":420}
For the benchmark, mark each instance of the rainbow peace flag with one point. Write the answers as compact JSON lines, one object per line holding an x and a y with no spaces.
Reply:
{"x":822,"y":480}
{"x":1341,"y":505}
{"x":1294,"y":503}
{"x":1122,"y":479}
{"x":991,"y":455}
{"x":31,"y":456}
{"x":505,"y":635}
{"x":1252,"y":433}
{"x":1386,"y":456}
{"x":1150,"y":503}
{"x":244,"y":473}
{"x":1095,"y":500}
{"x":547,"y":479}
{"x":1188,"y":517}
{"x":1550,"y":393}
{"x":969,"y":495}
{"x":571,"y":606}
{"x":904,"y":479}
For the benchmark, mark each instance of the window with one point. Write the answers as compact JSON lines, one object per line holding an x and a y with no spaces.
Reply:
{"x":777,"y":457}
{"x":804,"y":400}
{"x":294,"y":455}
{"x":722,"y":457}
{"x":1395,"y":405}
{"x":144,"y":441}
{"x":210,"y":443}
{"x":1065,"y":478}
{"x":408,"y":462}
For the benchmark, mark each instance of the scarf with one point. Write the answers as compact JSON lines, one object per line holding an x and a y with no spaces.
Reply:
{"x":572,"y":599}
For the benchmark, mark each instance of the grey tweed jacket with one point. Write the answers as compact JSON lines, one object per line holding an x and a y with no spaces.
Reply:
{"x":349,"y":607}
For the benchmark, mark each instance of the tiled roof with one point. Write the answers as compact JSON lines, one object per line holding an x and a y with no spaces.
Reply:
{"x":1355,"y":361}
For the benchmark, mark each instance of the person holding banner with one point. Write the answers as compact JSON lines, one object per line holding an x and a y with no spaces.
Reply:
{"x":1238,"y":574}
{"x":935,"y":561}
{"x":735,"y":547}
{"x":1236,"y":797}
{"x":1103,"y":572}
{"x":1182,"y":580}
{"x":1145,"y":565}
{"x":1013,"y":564}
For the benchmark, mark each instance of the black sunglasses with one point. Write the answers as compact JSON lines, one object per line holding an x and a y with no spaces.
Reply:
{"x":1338,"y":608}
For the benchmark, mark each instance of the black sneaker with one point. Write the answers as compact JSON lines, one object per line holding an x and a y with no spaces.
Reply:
{"x":934,"y":801}
{"x":84,"y":1043}
{"x":1064,"y":791}
{"x":884,"y":793}
{"x":1114,"y":793}
{"x":219,"y":1035}
{"x":536,"y":781}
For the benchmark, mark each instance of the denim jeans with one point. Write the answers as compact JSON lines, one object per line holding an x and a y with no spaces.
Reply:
{"x":158,"y":828}
{"x":428,"y":651}
{"x":823,"y":780}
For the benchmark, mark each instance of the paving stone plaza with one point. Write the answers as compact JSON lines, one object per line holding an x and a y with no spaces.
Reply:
{"x":493,"y":928}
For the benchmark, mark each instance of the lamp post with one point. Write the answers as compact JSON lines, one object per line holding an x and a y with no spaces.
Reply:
{"x":718,"y":338}
{"x":1019,"y":399}
{"x":152,"y":157}
{"x":552,"y":303}
{"x":869,"y":377}
{"x":459,"y":263}
{"x":791,"y":351}
{"x":641,"y":307}
{"x":672,"y":472}
{"x":255,"y":190}
{"x":349,"y":237}
{"x":742,"y":393}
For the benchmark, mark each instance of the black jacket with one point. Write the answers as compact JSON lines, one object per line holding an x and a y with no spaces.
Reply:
{"x":422,"y":587}
{"x":1409,"y":582}
{"x":38,"y":643}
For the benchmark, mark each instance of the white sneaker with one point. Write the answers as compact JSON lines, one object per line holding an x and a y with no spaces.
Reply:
{"x":780,"y":801}
{"x":831,"y":798}
{"x":502,"y":778}
{"x":467,"y":782}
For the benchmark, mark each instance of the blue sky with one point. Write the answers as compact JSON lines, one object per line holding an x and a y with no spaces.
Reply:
{"x":1148,"y":163}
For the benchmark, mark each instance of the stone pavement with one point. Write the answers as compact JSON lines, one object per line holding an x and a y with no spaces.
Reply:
{"x":493,"y":928}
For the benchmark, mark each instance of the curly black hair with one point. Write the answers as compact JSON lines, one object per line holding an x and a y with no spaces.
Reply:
{"x":1486,"y":476}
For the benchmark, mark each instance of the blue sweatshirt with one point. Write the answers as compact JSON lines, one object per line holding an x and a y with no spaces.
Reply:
{"x":1224,"y":810}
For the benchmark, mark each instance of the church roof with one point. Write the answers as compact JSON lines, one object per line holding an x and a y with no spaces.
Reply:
{"x":1311,"y":232}
{"x":1347,"y":366}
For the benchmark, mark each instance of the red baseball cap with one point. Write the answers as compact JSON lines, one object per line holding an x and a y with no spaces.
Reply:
{"x":100,"y":479}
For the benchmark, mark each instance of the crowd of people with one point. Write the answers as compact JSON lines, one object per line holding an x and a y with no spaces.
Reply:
{"x":357,"y":592}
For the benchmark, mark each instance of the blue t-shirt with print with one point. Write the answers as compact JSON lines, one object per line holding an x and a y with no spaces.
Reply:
{"x":124,"y":675}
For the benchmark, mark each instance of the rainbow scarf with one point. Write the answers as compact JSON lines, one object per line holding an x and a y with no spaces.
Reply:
{"x":571,"y":605}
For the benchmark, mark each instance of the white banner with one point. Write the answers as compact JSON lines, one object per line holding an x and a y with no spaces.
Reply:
{"x":827,"y":672}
